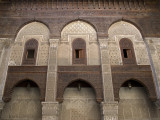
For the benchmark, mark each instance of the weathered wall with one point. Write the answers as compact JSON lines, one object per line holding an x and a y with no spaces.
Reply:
{"x":79,"y":105}
{"x":134,"y":104}
{"x":25,"y":104}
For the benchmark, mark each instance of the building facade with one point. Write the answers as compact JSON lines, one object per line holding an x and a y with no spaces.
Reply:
{"x":80,"y":60}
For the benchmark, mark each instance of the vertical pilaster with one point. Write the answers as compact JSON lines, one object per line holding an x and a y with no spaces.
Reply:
{"x":4,"y":58}
{"x":108,"y":112}
{"x":50,"y":107}
{"x":1,"y":107}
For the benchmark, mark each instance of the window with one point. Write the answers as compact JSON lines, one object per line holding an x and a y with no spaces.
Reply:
{"x":30,"y":52}
{"x":79,"y":51}
{"x":127,"y":51}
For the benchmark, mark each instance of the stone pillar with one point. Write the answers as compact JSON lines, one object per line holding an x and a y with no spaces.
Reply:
{"x":108,"y":112}
{"x":4,"y":58}
{"x":50,"y":108}
{"x":50,"y":111}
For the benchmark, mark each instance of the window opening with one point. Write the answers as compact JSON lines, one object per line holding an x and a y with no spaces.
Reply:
{"x":127,"y":53}
{"x":78,"y":53}
{"x":30,"y":54}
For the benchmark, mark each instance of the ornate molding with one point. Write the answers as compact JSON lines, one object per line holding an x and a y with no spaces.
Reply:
{"x":5,"y":41}
{"x":110,"y":110}
{"x":50,"y":109}
{"x":54,"y":43}
{"x":103,"y":43}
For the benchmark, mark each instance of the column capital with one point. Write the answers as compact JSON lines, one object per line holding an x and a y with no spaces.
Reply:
{"x":53,"y":43}
{"x":103,"y":43}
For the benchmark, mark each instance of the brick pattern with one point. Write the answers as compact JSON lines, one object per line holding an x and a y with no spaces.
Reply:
{"x":80,"y":4}
{"x":140,"y":73}
{"x":89,"y":74}
{"x":17,"y":74}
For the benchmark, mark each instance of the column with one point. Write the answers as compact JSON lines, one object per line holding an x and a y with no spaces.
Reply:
{"x":50,"y":108}
{"x":4,"y":58}
{"x":109,"y":106}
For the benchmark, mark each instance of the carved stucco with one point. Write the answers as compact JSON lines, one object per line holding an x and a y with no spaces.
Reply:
{"x":154,"y":50}
{"x":72,"y":31}
{"x":34,"y":30}
{"x":78,"y":28}
{"x":4,"y":57}
{"x":123,"y":29}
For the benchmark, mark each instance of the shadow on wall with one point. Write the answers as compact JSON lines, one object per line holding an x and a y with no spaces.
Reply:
{"x":79,"y":103}
{"x":25,"y":103}
{"x":135,"y":104}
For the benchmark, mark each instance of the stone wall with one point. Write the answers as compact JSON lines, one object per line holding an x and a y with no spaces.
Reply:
{"x":34,"y":30}
{"x":134,"y":104}
{"x":72,"y":31}
{"x":25,"y":104}
{"x":79,"y":105}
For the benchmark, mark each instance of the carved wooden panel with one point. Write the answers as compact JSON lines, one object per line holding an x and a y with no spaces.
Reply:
{"x":30,"y":52}
{"x":127,"y":51}
{"x":140,"y":73}
{"x":89,"y":74}
{"x":16,"y":74}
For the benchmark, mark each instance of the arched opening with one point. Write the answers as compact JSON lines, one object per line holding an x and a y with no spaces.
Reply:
{"x":25,"y":102}
{"x":79,"y":102}
{"x":134,"y":102}
{"x":79,"y":51}
{"x":127,"y":51}
{"x":30,"y":52}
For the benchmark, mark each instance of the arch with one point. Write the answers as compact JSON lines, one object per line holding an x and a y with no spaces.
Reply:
{"x":32,"y":29}
{"x":25,"y":81}
{"x":124,"y":28}
{"x":82,"y":21}
{"x":30,"y":52}
{"x":138,"y":83}
{"x":60,"y":98}
{"x":83,"y":101}
{"x":83,"y":81}
{"x":25,"y":93}
{"x":79,"y":51}
{"x":79,"y":27}
{"x":130,"y":22}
